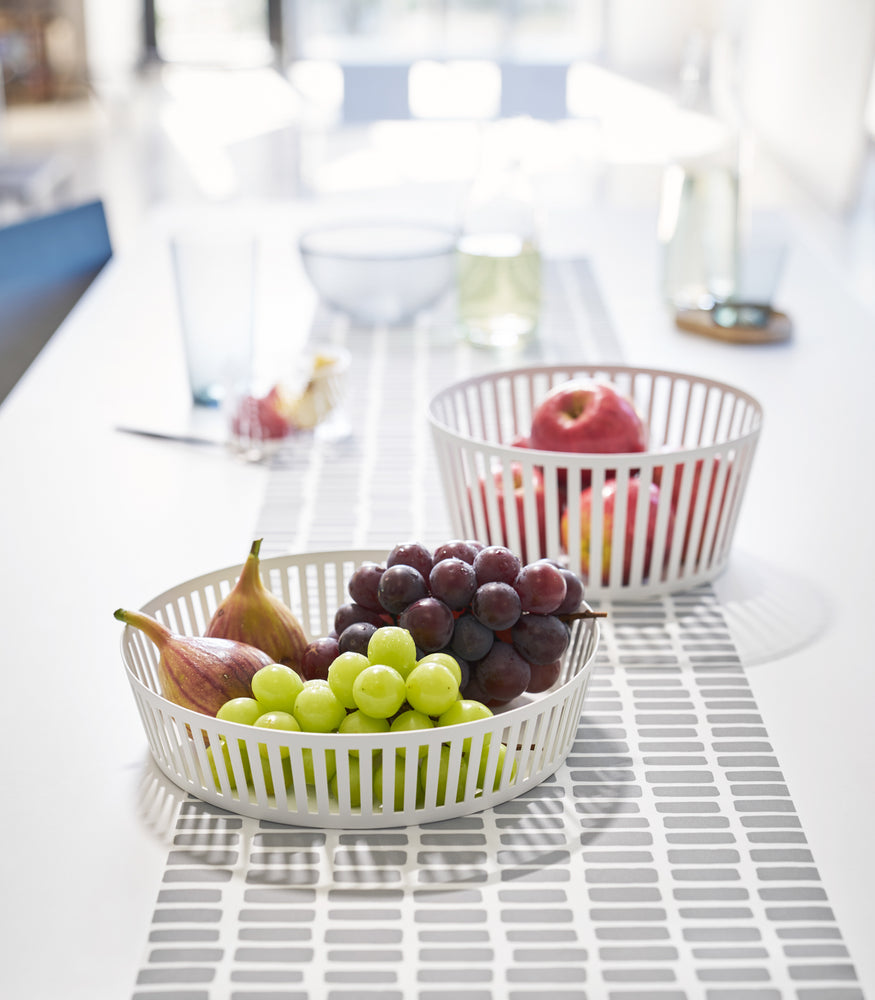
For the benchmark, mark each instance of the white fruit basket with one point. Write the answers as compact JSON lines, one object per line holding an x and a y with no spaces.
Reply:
{"x":702,"y":436}
{"x":309,"y":779}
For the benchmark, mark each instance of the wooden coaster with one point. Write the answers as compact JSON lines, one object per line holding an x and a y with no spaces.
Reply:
{"x":778,"y":329}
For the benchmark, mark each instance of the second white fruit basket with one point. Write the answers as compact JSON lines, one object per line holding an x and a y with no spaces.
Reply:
{"x":702,"y":437}
{"x":341,"y":780}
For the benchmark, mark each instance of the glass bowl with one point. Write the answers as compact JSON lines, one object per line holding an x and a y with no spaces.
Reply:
{"x":379,"y":273}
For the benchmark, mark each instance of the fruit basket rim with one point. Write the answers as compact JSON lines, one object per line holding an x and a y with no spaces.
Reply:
{"x":596,"y":368}
{"x":507,"y":715}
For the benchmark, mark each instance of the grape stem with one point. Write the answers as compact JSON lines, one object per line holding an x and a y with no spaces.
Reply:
{"x":574,"y":615}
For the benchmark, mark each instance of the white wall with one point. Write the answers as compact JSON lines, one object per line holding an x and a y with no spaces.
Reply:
{"x":114,"y":40}
{"x":806,"y":70}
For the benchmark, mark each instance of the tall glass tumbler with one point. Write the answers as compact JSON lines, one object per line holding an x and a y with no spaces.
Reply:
{"x":214,"y":273}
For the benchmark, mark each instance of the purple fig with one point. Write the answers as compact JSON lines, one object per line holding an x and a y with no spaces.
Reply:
{"x":252,"y":614}
{"x":200,"y":673}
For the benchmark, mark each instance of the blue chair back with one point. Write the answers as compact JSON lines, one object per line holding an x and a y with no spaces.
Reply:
{"x":48,"y":249}
{"x":46,"y":263}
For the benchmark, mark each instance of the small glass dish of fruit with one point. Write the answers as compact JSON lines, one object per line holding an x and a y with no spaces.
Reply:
{"x":261,"y":414}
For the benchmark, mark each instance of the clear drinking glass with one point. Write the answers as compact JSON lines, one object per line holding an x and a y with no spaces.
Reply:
{"x":214,"y":271}
{"x":498,"y":260}
{"x":699,"y":231}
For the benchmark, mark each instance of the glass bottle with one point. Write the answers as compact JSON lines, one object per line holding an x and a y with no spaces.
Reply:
{"x":498,"y":260}
{"x":699,"y":205}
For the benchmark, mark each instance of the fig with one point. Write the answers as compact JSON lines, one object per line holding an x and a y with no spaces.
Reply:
{"x":199,"y":672}
{"x":252,"y":614}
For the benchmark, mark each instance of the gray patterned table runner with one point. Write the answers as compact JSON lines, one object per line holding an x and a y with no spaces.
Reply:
{"x":664,"y":859}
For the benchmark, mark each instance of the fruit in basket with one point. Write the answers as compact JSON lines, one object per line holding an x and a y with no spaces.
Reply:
{"x":573,"y":593}
{"x":709,"y":511}
{"x":342,"y":674}
{"x":359,"y":723}
{"x":413,"y":554}
{"x":471,"y":640}
{"x":502,"y":675}
{"x":608,"y":502}
{"x":540,"y":639}
{"x":496,"y":564}
{"x":281,"y":721}
{"x":499,"y":767}
{"x":250,"y":613}
{"x":364,"y":585}
{"x":354,"y":784}
{"x":543,"y":676}
{"x":445,"y":792}
{"x":475,"y":595}
{"x":453,"y":581}
{"x":318,"y":656}
{"x":541,"y":587}
{"x":242,"y":710}
{"x":317,"y":708}
{"x":393,"y":646}
{"x":587,"y":415}
{"x":503,"y":535}
{"x":356,"y":614}
{"x":232,"y":773}
{"x":360,"y":698}
{"x":496,"y":605}
{"x":430,"y":622}
{"x":448,"y":661}
{"x":407,"y":721}
{"x":381,"y":787}
{"x":199,"y":672}
{"x":276,"y":687}
{"x":464,"y":710}
{"x":379,"y":691}
{"x":400,"y":586}
{"x":431,"y":688}
{"x":457,"y":548}
{"x":318,"y":760}
{"x":355,"y":638}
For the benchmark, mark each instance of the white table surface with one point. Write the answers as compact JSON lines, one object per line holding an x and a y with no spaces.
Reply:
{"x":93,"y":519}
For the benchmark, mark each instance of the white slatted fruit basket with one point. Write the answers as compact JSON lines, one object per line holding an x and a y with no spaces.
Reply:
{"x":308,"y":779}
{"x":702,"y":436}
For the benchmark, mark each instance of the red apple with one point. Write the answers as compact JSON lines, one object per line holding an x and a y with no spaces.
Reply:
{"x":586,"y":416}
{"x":694,"y":497}
{"x":519,"y":497}
{"x":261,"y":418}
{"x":609,"y":499}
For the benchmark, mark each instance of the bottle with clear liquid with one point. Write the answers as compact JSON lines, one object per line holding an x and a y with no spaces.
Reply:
{"x":699,"y":232}
{"x":699,"y":206}
{"x":498,"y":261}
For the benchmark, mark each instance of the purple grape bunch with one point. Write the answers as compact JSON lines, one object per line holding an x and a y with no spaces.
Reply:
{"x":500,"y":618}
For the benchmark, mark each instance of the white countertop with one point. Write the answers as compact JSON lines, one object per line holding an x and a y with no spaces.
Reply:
{"x":93,"y":519}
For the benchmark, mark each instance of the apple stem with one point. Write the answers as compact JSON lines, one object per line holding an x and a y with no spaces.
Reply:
{"x":582,"y":614}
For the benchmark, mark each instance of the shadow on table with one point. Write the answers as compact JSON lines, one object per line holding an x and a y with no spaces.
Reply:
{"x":159,"y":801}
{"x":770,"y":613}
{"x":535,"y":838}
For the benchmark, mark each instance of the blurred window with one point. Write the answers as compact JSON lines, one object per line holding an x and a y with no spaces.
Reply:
{"x":210,"y":32}
{"x":539,"y":30}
